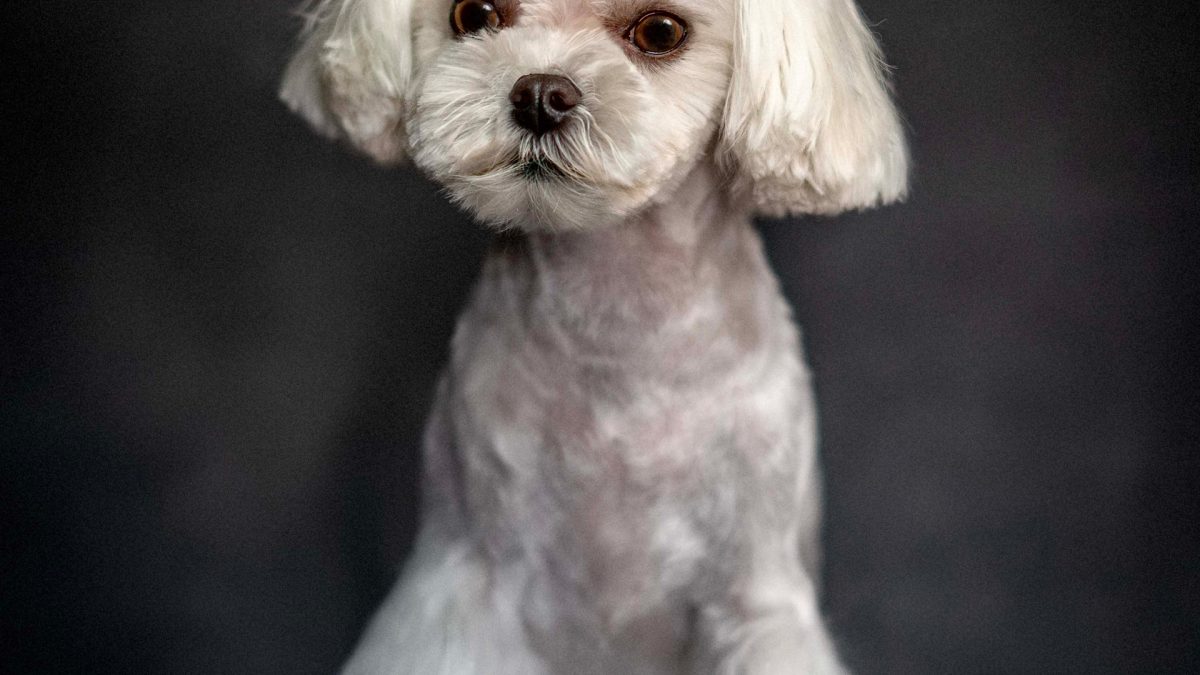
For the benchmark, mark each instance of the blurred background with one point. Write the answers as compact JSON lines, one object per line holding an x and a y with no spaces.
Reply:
{"x":221,"y":334}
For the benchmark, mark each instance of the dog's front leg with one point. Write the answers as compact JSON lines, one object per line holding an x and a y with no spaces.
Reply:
{"x":769,"y":625}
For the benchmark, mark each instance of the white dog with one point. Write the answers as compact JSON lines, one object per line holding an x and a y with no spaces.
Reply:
{"x":621,"y":464}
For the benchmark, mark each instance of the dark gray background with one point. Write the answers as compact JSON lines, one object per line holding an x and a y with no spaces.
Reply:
{"x":220,"y":336}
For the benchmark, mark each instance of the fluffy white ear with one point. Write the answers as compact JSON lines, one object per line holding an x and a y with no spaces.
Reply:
{"x":809,"y":123}
{"x":349,"y":76}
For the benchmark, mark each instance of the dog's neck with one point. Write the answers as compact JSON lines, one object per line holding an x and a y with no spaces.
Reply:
{"x":684,"y":277}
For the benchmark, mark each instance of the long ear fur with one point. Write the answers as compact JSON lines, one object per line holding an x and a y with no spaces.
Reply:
{"x":349,"y":76}
{"x":809,"y":124}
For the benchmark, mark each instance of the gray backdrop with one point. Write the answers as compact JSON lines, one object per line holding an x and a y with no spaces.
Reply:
{"x":220,"y":336}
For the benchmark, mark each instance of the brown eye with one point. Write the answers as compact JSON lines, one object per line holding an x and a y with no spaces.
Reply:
{"x":658,"y":33}
{"x":472,"y":16}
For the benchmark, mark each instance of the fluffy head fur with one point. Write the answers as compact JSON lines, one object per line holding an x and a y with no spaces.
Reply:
{"x":789,"y":97}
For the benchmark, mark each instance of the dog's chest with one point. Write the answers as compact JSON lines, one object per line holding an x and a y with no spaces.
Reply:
{"x":619,"y":455}
{"x":614,"y":493}
{"x":615,"y":465}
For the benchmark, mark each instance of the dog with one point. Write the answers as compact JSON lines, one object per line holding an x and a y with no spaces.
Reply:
{"x":620,"y":468}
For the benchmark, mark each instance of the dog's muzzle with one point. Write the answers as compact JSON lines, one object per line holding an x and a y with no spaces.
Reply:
{"x":542,"y":103}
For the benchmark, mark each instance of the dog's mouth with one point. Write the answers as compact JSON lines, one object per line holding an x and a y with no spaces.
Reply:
{"x":538,"y":168}
{"x":535,"y":168}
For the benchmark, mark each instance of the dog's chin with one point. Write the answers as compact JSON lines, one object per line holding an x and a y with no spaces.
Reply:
{"x":536,"y":194}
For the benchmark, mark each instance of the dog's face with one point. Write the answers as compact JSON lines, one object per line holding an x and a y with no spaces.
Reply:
{"x":567,"y":112}
{"x":576,"y":113}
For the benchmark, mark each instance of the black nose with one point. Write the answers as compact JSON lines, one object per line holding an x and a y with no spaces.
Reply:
{"x":541,"y":103}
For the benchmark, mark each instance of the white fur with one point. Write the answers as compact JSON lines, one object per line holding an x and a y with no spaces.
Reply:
{"x":809,"y":123}
{"x":621,"y":469}
{"x":349,"y":76}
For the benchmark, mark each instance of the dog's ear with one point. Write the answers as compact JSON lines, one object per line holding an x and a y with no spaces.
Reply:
{"x":809,"y":123}
{"x":349,"y":76}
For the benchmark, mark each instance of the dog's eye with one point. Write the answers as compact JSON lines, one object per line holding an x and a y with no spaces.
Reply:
{"x":472,"y":16}
{"x":658,"y":33}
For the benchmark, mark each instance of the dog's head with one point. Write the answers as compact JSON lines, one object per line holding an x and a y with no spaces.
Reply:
{"x":562,"y":113}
